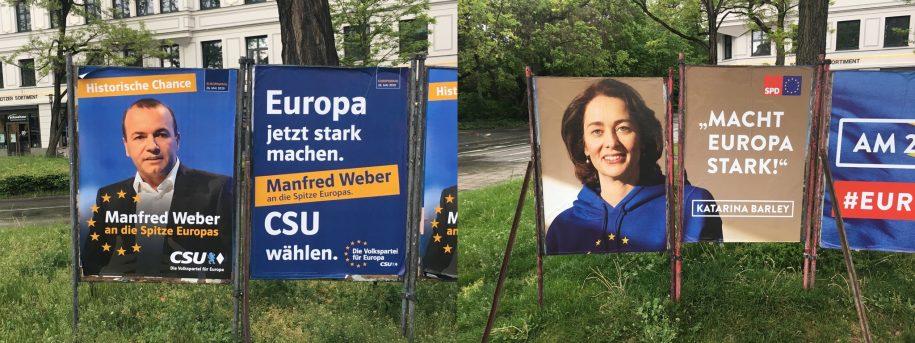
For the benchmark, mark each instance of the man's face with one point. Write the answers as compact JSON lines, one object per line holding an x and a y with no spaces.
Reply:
{"x":151,"y":142}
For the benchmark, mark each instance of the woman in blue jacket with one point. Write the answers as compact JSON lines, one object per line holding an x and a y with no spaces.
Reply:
{"x":614,"y":141}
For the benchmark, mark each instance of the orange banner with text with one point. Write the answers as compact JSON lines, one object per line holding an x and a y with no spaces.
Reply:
{"x":443,"y":91}
{"x":326,"y":185}
{"x":137,"y":85}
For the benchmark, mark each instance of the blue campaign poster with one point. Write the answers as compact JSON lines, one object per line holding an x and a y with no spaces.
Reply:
{"x":330,"y":172}
{"x":440,"y":211}
{"x":156,"y":163}
{"x":872,"y":157}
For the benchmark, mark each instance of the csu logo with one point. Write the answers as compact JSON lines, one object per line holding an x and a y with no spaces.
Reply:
{"x":193,"y":257}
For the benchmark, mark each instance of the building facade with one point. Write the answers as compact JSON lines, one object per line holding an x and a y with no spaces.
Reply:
{"x":861,"y":34}
{"x":204,"y":33}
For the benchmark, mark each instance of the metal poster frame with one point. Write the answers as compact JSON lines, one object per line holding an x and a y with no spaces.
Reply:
{"x":241,"y":323}
{"x":519,"y":209}
{"x":813,"y":215}
{"x":72,"y":133}
{"x":416,"y":156}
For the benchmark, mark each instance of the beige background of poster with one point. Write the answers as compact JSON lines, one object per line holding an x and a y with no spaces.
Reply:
{"x":741,"y":89}
{"x":560,"y":186}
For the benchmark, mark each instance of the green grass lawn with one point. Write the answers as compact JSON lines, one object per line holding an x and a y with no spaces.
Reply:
{"x":30,"y":165}
{"x":35,"y":295}
{"x":730,"y":293}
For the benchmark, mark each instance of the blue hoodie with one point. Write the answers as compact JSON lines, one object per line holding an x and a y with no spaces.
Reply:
{"x":636,"y":224}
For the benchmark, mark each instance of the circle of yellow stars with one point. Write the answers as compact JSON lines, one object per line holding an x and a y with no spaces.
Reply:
{"x":612,"y":237}
{"x":349,"y":248}
{"x":437,"y":238}
{"x":91,"y":223}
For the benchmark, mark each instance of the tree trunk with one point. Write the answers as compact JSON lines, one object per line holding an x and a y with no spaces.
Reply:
{"x":57,"y":119}
{"x":780,"y":53}
{"x":780,"y":43}
{"x":711,"y":14}
{"x":713,"y":46}
{"x":811,"y":37}
{"x":58,"y":114}
{"x":307,"y":32}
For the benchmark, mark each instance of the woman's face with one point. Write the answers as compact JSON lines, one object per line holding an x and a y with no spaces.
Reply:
{"x":611,"y":139}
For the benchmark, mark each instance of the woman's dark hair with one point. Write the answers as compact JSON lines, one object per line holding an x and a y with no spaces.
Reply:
{"x":647,"y":126}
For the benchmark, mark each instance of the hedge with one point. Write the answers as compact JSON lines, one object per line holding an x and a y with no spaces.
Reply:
{"x":34,"y":175}
{"x":25,"y":184}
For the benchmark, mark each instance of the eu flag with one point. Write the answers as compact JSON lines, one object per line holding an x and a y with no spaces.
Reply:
{"x":791,"y":85}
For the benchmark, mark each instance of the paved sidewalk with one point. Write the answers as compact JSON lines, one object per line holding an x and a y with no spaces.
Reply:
{"x":43,"y":210}
{"x":488,"y":157}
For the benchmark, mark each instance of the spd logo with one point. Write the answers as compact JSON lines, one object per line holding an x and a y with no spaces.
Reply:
{"x":192,"y":257}
{"x":778,"y":85}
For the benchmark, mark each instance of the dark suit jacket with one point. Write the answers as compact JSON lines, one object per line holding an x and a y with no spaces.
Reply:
{"x":435,"y":260}
{"x":195,"y":191}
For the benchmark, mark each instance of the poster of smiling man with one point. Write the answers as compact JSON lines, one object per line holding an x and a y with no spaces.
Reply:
{"x":601,"y":146}
{"x":156,"y":163}
{"x":746,"y":132}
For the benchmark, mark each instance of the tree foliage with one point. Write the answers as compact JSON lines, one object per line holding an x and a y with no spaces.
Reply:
{"x":112,"y":41}
{"x":370,"y":32}
{"x":770,"y":17}
{"x":697,"y":21}
{"x":499,"y":38}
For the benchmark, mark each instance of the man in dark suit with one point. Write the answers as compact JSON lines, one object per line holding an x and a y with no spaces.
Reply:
{"x":168,"y":220}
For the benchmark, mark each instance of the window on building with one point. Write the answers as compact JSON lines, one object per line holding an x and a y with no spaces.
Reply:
{"x":761,"y":44}
{"x":253,"y":1}
{"x":355,"y":42}
{"x":64,"y":140}
{"x":172,"y":58}
{"x":896,"y":31}
{"x":208,"y":4}
{"x":257,"y":49}
{"x":166,"y":6}
{"x":847,"y":34}
{"x":54,"y":16}
{"x":728,"y":47}
{"x":23,"y":17}
{"x":144,"y":7}
{"x":212,"y":54}
{"x":34,"y":140}
{"x":120,"y":9}
{"x":414,"y":36}
{"x":27,"y":72}
{"x":1,"y":75}
{"x":93,"y":10}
